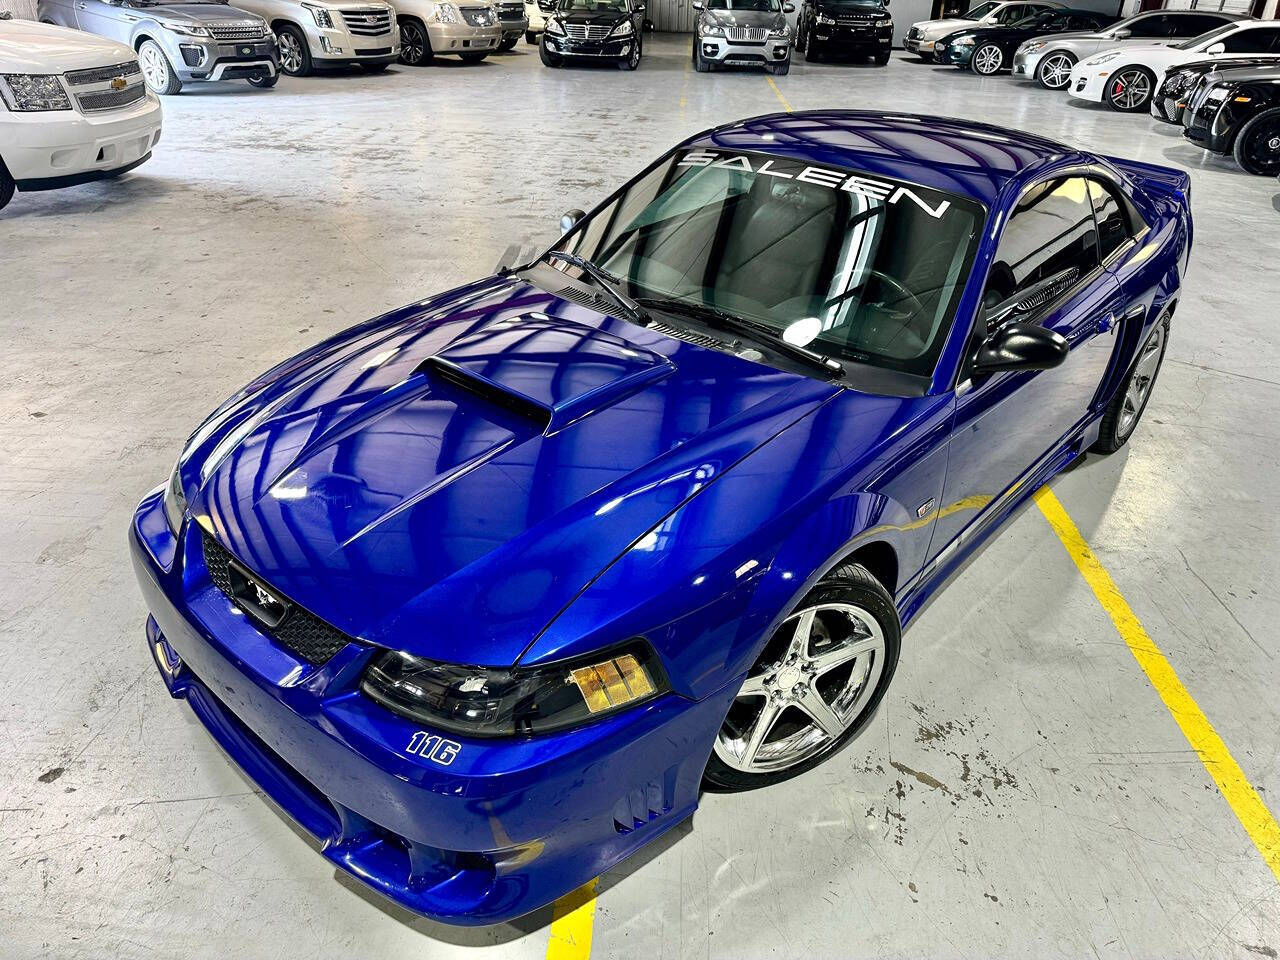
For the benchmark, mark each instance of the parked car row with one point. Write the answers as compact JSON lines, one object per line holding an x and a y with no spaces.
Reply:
{"x":1215,"y":73}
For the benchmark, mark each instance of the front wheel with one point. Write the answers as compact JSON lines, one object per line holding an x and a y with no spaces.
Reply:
{"x":473,"y":57}
{"x":882,"y":58}
{"x":815,"y":685}
{"x":295,"y":58}
{"x":508,"y":43}
{"x":1130,"y":89}
{"x":811,"y":52}
{"x":531,"y":38}
{"x":987,"y":60}
{"x":1257,"y":147}
{"x":633,"y":58}
{"x":1125,"y":409}
{"x":156,"y":69}
{"x":548,"y":58}
{"x":1054,"y":70}
{"x":800,"y":37}
{"x":7,"y":186}
{"x":264,"y":83}
{"x":780,"y":69}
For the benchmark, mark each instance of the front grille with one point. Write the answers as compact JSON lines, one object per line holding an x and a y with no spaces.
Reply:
{"x":110,"y":99}
{"x":367,"y":23}
{"x":300,"y":632}
{"x":235,"y":32}
{"x":586,"y":31}
{"x":78,"y":78}
{"x":511,"y":11}
{"x":746,"y":34}
{"x":478,"y":16}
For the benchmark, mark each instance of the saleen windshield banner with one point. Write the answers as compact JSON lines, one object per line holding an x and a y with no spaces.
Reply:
{"x":869,"y":187}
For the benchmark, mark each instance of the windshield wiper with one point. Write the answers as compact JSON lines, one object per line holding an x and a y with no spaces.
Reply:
{"x":719,"y":319}
{"x":606,"y":281}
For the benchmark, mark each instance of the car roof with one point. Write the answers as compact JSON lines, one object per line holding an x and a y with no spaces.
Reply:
{"x":1222,"y":14}
{"x":962,"y":157}
{"x":1243,"y":74}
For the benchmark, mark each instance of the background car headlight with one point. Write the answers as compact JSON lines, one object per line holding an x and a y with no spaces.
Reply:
{"x":175,"y":500}
{"x":33,"y":91}
{"x":1031,"y":46}
{"x":962,"y":42}
{"x":556,"y":27}
{"x":189,"y":29}
{"x":624,"y":29}
{"x":823,"y":18}
{"x":1102,"y":58}
{"x":713,"y":30}
{"x":781,"y":31}
{"x":321,"y":16}
{"x":487,"y":702}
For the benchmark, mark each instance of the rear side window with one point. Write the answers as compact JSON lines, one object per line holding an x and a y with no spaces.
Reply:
{"x":1113,"y":222}
{"x":1155,"y":26}
{"x":1194,"y":24}
{"x":1260,"y":40}
{"x":1051,"y":236}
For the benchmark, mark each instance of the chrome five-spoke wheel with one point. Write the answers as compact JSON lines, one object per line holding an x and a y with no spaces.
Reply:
{"x":1055,"y":70}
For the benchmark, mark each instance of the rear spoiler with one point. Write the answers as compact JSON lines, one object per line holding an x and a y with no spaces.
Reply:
{"x":1165,"y":181}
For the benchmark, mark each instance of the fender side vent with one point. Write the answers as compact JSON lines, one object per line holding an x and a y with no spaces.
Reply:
{"x":644,"y":804}
{"x":452,"y":379}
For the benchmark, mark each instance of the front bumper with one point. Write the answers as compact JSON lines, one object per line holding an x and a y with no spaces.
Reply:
{"x":725,"y":52}
{"x":506,"y":827}
{"x":607,"y":49}
{"x":59,"y":148}
{"x":1167,"y":109}
{"x":453,"y":38}
{"x":918,"y":45}
{"x":335,"y":46}
{"x":956,"y":56}
{"x":853,"y":39}
{"x":1025,"y":64}
{"x":196,"y":60}
{"x":1203,"y":124}
{"x":1088,"y":84}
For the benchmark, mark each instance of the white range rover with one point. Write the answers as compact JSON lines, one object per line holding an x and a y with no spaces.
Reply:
{"x":73,"y":108}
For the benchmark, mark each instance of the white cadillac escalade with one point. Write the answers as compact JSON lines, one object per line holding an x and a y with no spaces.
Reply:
{"x":73,"y":108}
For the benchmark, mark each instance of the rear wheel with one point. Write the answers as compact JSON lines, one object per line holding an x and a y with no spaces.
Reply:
{"x":7,"y":186}
{"x":1257,"y":147}
{"x":1129,"y":89}
{"x":1054,"y":70}
{"x":815,"y":685}
{"x":295,"y":58}
{"x":987,"y":59}
{"x":156,"y":69}
{"x":1126,"y":407}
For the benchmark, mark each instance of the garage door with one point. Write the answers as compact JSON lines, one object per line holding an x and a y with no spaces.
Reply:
{"x":1228,"y":6}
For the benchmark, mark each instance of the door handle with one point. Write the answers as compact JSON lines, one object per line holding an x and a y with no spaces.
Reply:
{"x":1106,"y":323}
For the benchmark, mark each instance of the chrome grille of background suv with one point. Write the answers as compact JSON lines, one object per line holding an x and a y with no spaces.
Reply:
{"x":367,"y":23}
{"x":236,"y":32}
{"x":586,"y":31}
{"x":746,"y":34}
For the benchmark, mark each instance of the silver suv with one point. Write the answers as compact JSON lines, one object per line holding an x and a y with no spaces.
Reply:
{"x":742,"y":33}
{"x":177,"y":43}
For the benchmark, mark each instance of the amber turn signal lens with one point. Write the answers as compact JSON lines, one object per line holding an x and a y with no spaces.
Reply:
{"x":612,"y":683}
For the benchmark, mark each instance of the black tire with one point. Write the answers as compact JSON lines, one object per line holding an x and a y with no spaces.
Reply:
{"x":293,"y":38}
{"x":170,"y":84}
{"x":1116,"y":428}
{"x":415,"y":43}
{"x":264,"y":83}
{"x":548,"y":58}
{"x":632,"y":60}
{"x":374,"y":67}
{"x":508,"y":43}
{"x":992,"y":60}
{"x":700,"y":63}
{"x":1257,"y":146}
{"x":925,"y":57}
{"x":7,"y":186}
{"x":531,"y":38}
{"x":811,"y":52}
{"x":882,"y":59}
{"x":1123,"y":86}
{"x":1053,"y":72}
{"x":472,"y":57}
{"x":780,"y":69}
{"x":850,"y":583}
{"x":800,"y":37}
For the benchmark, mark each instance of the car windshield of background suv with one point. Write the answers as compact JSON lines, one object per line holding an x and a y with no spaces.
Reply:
{"x":592,"y":6}
{"x":757,"y":6}
{"x":863,"y":268}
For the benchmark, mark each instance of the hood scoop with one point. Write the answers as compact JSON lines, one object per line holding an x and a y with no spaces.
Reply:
{"x":547,"y":370}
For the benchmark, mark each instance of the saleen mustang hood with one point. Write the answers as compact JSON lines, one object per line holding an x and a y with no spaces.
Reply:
{"x":448,"y":482}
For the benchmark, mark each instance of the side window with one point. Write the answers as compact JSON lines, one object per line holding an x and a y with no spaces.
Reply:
{"x":1015,"y":12}
{"x":1154,"y":26}
{"x":1261,"y":40}
{"x":1113,"y":223}
{"x":1050,"y":237}
{"x":1194,"y":24}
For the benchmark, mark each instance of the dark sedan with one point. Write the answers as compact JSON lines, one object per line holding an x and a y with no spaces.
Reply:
{"x":987,"y":50}
{"x":1238,"y":114}
{"x":1170,"y":99}
{"x":600,"y":30}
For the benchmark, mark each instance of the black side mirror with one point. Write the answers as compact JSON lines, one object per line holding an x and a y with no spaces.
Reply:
{"x":1020,"y":346}
{"x":640,"y":8}
{"x":570,"y":219}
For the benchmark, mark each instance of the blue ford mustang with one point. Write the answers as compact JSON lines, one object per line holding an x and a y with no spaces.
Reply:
{"x":483,"y":591}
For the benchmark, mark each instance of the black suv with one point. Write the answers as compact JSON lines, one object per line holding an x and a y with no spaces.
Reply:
{"x":860,"y":28}
{"x":1238,"y":113}
{"x":594,"y":30}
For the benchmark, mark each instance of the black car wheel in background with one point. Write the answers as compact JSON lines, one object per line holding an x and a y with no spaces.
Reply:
{"x":1257,"y":148}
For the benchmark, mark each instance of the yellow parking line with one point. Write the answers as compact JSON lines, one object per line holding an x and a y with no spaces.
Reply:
{"x":1236,"y":789}
{"x":781,"y":99}
{"x":572,"y":919}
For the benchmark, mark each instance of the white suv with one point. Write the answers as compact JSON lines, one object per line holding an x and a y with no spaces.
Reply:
{"x":73,"y":108}
{"x":313,"y":34}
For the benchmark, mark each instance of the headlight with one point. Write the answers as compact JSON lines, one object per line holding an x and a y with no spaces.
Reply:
{"x":624,"y":29}
{"x":1100,"y":59}
{"x":962,"y":42}
{"x":175,"y":500}
{"x":555,"y":26}
{"x":321,"y":16}
{"x":713,"y":30}
{"x":446,"y":13}
{"x":33,"y":91}
{"x":886,"y":23}
{"x":487,"y":702}
{"x":781,"y":31}
{"x":823,"y":18}
{"x":1031,"y":46}
{"x":188,"y":29}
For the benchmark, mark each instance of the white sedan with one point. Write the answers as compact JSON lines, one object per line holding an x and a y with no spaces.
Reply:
{"x":73,"y":108}
{"x":1125,"y":78}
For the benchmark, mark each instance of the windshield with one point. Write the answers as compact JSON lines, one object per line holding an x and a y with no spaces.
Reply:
{"x":593,"y":6}
{"x":1205,"y":38}
{"x":1039,"y":20}
{"x":980,"y":11}
{"x":759,"y":6}
{"x":860,"y":268}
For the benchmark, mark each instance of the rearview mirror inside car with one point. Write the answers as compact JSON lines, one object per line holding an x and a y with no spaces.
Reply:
{"x":570,"y":218}
{"x":1020,"y":346}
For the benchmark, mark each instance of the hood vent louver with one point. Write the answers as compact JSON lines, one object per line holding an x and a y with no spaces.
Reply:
{"x":586,"y":299}
{"x":449,"y":378}
{"x":697,"y":339}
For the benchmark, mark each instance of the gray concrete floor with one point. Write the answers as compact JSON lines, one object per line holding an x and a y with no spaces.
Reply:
{"x":1023,"y":793}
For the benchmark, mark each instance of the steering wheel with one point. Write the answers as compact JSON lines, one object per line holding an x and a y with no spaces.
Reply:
{"x":905,"y":294}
